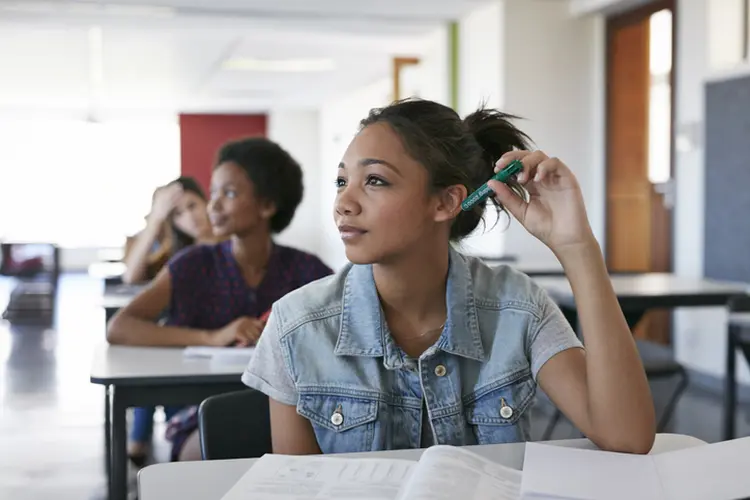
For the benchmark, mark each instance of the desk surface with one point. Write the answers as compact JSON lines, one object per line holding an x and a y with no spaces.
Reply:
{"x":118,"y":296}
{"x":210,"y":480}
{"x":654,"y":285}
{"x":124,"y":365}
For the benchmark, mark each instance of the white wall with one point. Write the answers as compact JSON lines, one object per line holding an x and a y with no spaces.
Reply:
{"x":550,"y":81}
{"x":554,"y":81}
{"x":339,"y":122}
{"x":298,"y":131}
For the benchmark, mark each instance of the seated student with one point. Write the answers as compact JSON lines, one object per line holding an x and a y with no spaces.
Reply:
{"x":216,"y":294}
{"x":415,"y":344}
{"x":178,"y":219}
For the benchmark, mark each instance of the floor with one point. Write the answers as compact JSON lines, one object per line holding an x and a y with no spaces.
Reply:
{"x":51,"y":417}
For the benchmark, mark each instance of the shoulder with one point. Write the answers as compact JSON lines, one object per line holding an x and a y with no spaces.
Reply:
{"x":304,"y":262}
{"x":503,"y":286}
{"x":198,"y":258}
{"x":314,"y":301}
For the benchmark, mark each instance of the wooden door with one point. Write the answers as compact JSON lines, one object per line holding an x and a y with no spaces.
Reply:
{"x":639,"y":225}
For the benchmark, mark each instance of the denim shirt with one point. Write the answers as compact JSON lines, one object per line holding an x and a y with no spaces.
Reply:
{"x":327,"y":350}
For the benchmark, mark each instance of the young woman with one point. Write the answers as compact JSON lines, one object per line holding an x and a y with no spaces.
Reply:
{"x":217,"y":294}
{"x":178,"y":219}
{"x":415,"y":344}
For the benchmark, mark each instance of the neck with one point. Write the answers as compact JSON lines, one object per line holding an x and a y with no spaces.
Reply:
{"x":412,"y":288}
{"x":253,"y":250}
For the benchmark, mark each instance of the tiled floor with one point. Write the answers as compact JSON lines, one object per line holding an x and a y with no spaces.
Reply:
{"x":51,"y":417}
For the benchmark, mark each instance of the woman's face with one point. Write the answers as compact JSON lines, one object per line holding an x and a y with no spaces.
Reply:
{"x":383,"y":208}
{"x":234,"y":208}
{"x":190,"y":215}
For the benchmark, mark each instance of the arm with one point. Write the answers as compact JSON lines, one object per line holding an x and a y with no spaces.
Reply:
{"x":291,"y":433}
{"x":136,"y":259}
{"x":136,"y":256}
{"x":135,"y":324}
{"x":604,"y":392}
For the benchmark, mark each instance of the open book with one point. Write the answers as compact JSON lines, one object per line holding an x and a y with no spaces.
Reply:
{"x":551,"y":472}
{"x":443,"y":472}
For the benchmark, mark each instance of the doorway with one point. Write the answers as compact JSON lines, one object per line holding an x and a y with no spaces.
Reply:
{"x":640,"y":186}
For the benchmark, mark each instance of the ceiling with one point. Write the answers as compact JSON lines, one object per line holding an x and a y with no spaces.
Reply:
{"x":132,"y":58}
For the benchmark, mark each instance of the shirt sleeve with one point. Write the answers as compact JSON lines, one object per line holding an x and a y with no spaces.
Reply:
{"x":268,"y":370}
{"x":552,"y":335}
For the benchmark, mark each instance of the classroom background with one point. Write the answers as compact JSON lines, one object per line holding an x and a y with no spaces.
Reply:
{"x":102,"y":102}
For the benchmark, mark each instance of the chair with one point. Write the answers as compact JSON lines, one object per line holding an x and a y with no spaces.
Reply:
{"x":235,"y":425}
{"x":741,"y":304}
{"x":658,"y":363}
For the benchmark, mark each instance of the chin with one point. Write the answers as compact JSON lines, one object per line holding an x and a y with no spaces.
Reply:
{"x":360,"y":256}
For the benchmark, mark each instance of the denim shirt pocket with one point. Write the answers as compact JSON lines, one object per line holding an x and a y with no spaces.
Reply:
{"x":497,"y":412}
{"x":342,"y":423}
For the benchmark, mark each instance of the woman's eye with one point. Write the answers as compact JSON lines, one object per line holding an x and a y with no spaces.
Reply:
{"x":340,"y":182}
{"x":230,"y":194}
{"x":376,"y":181}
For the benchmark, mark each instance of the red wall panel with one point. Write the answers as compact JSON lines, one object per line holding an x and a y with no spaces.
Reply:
{"x":201,"y":136}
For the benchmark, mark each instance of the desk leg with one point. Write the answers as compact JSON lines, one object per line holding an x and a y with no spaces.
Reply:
{"x":107,"y":436}
{"x":730,"y":384}
{"x":119,"y":482}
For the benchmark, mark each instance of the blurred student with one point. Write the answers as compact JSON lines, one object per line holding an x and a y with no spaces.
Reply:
{"x":415,"y":344}
{"x":216,"y":295}
{"x":178,"y":219}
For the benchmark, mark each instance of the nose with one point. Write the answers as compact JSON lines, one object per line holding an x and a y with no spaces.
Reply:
{"x":346,"y":202}
{"x":213,"y":204}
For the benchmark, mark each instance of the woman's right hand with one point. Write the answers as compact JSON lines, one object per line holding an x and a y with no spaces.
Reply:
{"x":164,"y":202}
{"x":243,"y":332}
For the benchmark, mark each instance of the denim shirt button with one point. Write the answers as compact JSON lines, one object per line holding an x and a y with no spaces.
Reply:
{"x":440,"y":370}
{"x":337,"y":418}
{"x":505,"y":411}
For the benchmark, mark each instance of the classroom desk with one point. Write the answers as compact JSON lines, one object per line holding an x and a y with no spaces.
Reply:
{"x":116,"y":297}
{"x":738,"y":323}
{"x":210,"y":480}
{"x":642,"y":291}
{"x":146,"y":376}
{"x":530,"y":267}
{"x":637,"y":293}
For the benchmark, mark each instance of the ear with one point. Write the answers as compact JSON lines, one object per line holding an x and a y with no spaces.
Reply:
{"x":449,"y":202}
{"x":267,"y":209}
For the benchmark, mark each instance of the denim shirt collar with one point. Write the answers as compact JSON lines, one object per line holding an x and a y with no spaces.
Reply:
{"x":364,"y":332}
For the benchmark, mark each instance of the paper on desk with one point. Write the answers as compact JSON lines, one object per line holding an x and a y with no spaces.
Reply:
{"x":450,"y":473}
{"x":280,"y":477}
{"x":718,"y":471}
{"x":220,"y":355}
{"x":557,"y":472}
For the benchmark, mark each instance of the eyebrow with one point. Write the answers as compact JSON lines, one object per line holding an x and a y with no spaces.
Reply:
{"x":366,"y":162}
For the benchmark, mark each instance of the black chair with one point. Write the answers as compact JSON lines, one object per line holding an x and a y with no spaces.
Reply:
{"x":235,"y":425}
{"x":658,"y":363}
{"x":741,"y":336}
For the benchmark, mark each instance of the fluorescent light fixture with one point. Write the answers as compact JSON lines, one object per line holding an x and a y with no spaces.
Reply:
{"x":279,"y":65}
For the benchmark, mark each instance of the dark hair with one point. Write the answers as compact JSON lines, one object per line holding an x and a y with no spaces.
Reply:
{"x":454,"y":151}
{"x":276,"y":176}
{"x":181,"y":240}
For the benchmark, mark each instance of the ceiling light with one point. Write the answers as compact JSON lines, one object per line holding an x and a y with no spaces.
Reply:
{"x":279,"y":65}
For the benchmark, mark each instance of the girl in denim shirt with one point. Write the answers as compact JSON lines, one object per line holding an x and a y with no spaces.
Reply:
{"x":414,"y":344}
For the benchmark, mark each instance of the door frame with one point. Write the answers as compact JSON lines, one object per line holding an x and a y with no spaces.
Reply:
{"x":613,"y":22}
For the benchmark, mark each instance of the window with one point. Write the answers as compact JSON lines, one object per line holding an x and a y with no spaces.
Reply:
{"x":660,"y":97}
{"x":80,"y":184}
{"x":727,"y":33}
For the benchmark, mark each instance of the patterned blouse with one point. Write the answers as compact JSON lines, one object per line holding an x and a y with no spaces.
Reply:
{"x":209,"y":292}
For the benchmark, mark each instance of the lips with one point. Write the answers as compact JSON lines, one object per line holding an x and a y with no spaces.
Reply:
{"x":218,"y":220}
{"x":350,"y":232}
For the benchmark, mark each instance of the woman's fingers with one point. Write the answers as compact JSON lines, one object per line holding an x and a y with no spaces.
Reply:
{"x":530,"y":161}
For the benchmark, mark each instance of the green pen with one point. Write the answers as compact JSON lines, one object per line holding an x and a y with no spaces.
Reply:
{"x":484,"y":191}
